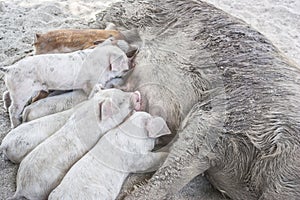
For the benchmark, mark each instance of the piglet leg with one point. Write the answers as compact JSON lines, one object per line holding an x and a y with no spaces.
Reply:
{"x":19,"y":101}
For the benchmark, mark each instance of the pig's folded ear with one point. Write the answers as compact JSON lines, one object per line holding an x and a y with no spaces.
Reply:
{"x":37,"y":37}
{"x":107,"y":109}
{"x":118,"y":62}
{"x":156,"y":127}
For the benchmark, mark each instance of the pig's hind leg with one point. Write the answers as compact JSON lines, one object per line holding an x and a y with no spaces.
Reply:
{"x":19,"y":99}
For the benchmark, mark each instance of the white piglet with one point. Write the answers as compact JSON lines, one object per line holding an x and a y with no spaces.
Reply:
{"x":53,"y":104}
{"x":21,"y":140}
{"x":45,"y":166}
{"x":78,"y":70}
{"x":99,"y":175}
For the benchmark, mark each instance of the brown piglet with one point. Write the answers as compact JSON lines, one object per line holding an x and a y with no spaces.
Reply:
{"x":70,"y":40}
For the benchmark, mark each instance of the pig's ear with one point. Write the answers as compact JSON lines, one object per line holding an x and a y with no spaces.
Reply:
{"x":118,"y":62}
{"x":107,"y":109}
{"x":37,"y":36}
{"x":156,"y":127}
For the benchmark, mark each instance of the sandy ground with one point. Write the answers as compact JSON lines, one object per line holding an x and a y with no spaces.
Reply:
{"x":279,"y":20}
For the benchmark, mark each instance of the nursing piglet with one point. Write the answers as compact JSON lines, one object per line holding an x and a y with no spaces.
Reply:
{"x":99,"y":175}
{"x":53,"y":104}
{"x":44,"y":167}
{"x":21,"y":140}
{"x":78,"y":70}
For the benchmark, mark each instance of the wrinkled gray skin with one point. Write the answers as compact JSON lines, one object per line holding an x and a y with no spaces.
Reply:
{"x":238,"y":95}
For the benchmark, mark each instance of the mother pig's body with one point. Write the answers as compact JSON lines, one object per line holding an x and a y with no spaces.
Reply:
{"x":244,"y":134}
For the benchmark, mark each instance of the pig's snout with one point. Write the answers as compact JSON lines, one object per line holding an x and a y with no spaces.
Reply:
{"x":137,"y":100}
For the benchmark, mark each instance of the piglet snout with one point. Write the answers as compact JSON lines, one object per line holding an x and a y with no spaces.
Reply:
{"x":137,"y":100}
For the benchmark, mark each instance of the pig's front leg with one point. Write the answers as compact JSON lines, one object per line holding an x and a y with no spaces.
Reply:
{"x":189,"y":156}
{"x":148,"y":162}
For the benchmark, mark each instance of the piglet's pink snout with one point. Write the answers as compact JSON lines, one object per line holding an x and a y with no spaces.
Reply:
{"x":137,"y":100}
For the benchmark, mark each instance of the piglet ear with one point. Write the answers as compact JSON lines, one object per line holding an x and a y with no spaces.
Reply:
{"x":37,"y":36}
{"x":118,"y":62}
{"x":156,"y":127}
{"x":107,"y":109}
